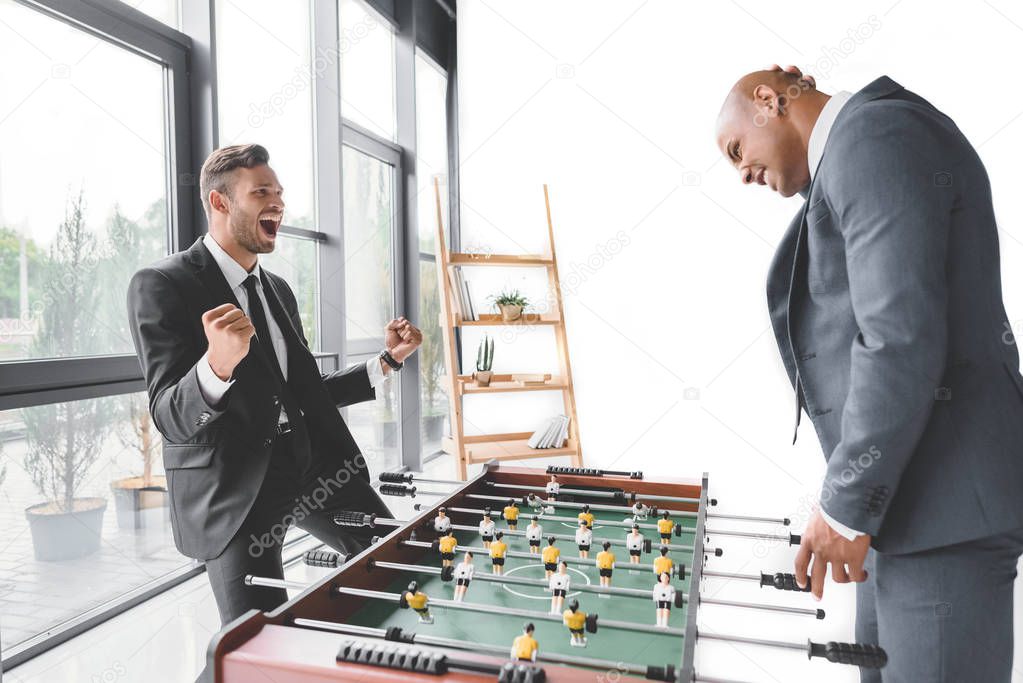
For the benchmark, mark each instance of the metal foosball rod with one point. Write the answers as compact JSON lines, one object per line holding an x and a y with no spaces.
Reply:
{"x":856,"y":654}
{"x":535,"y":501}
{"x":681,"y":598}
{"x":395,"y":634}
{"x":409,"y":477}
{"x":779,"y":580}
{"x":791,"y":539}
{"x":401,"y":490}
{"x":614,"y":495}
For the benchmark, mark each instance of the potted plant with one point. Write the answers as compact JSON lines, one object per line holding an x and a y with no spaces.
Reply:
{"x":65,"y":438}
{"x":141,"y":500}
{"x":510,"y":304}
{"x":484,"y":362}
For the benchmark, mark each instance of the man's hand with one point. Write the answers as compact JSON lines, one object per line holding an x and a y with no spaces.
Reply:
{"x":825,"y":545}
{"x":794,"y":70}
{"x":401,"y":338}
{"x":228,"y":331}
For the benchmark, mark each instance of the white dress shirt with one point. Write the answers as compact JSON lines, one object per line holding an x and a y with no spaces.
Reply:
{"x":212,"y":387}
{"x":814,"y":152}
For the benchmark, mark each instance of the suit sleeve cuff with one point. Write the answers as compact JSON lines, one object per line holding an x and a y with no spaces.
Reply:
{"x":375,"y":372}
{"x":841,"y":529}
{"x":211,"y":387}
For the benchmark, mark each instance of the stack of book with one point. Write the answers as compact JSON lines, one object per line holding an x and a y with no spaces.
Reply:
{"x":464,"y":297}
{"x":552,"y":434}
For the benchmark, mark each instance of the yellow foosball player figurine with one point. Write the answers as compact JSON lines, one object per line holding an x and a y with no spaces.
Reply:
{"x":587,"y":516}
{"x":550,"y":557}
{"x":497,"y":551}
{"x":634,"y":542}
{"x":664,"y":596}
{"x":524,"y":647}
{"x":487,"y":528}
{"x":446,"y":545}
{"x":664,"y":527}
{"x":575,"y":620}
{"x":663,"y":563}
{"x":511,"y":514}
{"x":419,"y":602}
{"x":534,"y":532}
{"x":605,"y":565}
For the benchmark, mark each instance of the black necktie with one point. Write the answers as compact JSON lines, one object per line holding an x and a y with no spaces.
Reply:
{"x":300,"y":447}
{"x":258,"y":318}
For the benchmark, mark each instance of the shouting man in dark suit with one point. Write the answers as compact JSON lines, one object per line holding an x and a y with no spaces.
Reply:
{"x":886,"y":302}
{"x":253,"y":440}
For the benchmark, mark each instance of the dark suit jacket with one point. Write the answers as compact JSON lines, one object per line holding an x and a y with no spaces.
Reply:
{"x":886,"y":302}
{"x":216,"y":456}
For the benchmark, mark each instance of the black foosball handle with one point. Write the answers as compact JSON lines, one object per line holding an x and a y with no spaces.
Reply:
{"x":399,"y":490}
{"x":856,"y":654}
{"x":795,"y":539}
{"x":349,"y":518}
{"x":323,"y":558}
{"x":783,"y":582}
{"x":395,"y":477}
{"x":591,"y":472}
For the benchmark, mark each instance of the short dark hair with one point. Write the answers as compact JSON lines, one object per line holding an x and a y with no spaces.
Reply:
{"x":217,"y":169}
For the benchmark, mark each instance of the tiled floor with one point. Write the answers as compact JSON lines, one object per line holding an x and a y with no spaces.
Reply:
{"x":161,"y":640}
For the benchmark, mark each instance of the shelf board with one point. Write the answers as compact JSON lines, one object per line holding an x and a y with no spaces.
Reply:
{"x":504,"y":383}
{"x":509,"y":449}
{"x":460,"y":259}
{"x":491,"y":319}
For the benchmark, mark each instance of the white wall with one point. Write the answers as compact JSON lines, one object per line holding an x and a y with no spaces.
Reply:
{"x":613,"y":104}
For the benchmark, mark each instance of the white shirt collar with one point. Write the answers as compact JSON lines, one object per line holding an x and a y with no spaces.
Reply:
{"x":822,"y":129}
{"x":233,"y":271}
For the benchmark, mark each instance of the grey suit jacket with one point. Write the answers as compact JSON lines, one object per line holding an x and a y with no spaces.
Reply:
{"x":216,"y":456}
{"x":885,"y":298}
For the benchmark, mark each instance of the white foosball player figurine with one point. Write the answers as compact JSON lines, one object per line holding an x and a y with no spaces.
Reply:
{"x":534,"y":532}
{"x":583,"y":539}
{"x":487,"y":529}
{"x":559,"y":584}
{"x":442,"y":523}
{"x":664,"y":596}
{"x":463,"y":575}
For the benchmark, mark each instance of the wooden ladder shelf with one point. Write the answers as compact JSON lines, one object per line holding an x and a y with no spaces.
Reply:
{"x":475,"y":449}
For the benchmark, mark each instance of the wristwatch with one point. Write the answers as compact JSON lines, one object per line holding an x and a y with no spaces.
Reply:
{"x":389,"y":359}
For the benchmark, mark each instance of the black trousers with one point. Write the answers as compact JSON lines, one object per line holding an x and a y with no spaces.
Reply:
{"x":288,"y":498}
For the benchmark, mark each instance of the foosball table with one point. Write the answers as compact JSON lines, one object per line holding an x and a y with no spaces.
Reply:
{"x":517,"y":575}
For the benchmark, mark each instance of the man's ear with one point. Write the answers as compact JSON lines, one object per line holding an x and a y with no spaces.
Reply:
{"x":768,"y":102}
{"x":219,"y":202}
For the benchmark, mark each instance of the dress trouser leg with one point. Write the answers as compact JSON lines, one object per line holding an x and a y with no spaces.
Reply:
{"x":866,"y":615}
{"x":945,"y":615}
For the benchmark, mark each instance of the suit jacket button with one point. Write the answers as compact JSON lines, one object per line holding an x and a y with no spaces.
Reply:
{"x":276,"y":400}
{"x":267,"y":442}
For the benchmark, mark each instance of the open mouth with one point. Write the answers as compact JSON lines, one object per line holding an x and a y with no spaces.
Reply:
{"x":270,"y":224}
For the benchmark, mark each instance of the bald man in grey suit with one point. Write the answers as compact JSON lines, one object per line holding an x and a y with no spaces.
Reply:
{"x":885,"y":298}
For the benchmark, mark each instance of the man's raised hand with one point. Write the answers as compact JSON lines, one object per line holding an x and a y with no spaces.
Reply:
{"x":401,"y":338}
{"x":228,"y":331}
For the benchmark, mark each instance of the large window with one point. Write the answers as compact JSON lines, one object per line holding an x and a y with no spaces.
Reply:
{"x":366,"y":46}
{"x":431,"y":166}
{"x":89,"y":193}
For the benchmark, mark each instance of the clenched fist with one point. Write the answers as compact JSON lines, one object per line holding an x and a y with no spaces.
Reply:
{"x":228,"y":331}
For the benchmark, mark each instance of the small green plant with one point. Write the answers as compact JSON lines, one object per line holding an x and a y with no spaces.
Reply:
{"x":485,"y":355}
{"x":512,"y":298}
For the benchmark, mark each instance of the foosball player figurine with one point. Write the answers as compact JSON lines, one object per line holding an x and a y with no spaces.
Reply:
{"x":550,"y":557}
{"x":553,"y":487}
{"x":442,"y":523}
{"x":446,"y":545}
{"x":487,"y":528}
{"x":664,"y":596}
{"x":558,"y":585}
{"x":583,"y":538}
{"x":575,"y":620}
{"x":524,"y":647}
{"x":534,"y":532}
{"x":497,"y":551}
{"x":664,"y":527}
{"x":605,"y":565}
{"x":634,"y":542}
{"x":586,"y":516}
{"x":663,"y":563}
{"x":463,"y":575}
{"x":511,"y":514}
{"x":640,"y":510}
{"x":419,"y":603}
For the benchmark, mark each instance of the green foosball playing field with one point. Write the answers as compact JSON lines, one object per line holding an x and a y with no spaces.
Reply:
{"x":496,"y":627}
